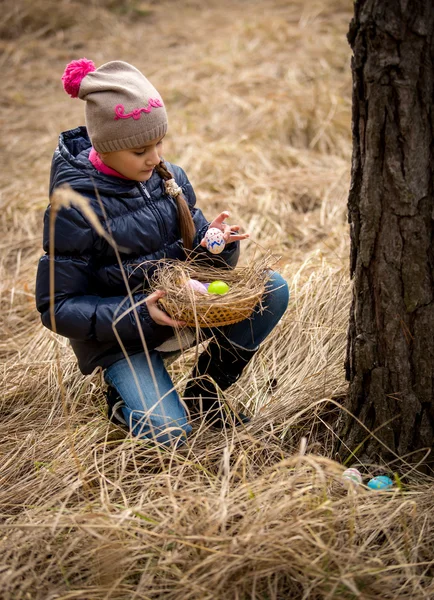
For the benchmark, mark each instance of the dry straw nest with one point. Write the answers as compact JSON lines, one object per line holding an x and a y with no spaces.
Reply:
{"x":181,"y":302}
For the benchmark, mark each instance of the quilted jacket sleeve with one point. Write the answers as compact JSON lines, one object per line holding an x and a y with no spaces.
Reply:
{"x":79,"y":312}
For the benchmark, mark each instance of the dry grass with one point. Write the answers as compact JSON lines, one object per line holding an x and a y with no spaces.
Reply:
{"x":259,"y":104}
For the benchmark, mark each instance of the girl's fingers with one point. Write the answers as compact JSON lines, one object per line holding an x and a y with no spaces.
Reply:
{"x":159,"y":316}
{"x":229,"y":231}
{"x":155,"y":296}
{"x":237,"y":238}
{"x":162,"y":318}
{"x":226,"y":232}
{"x":230,"y":237}
{"x":166,"y":320}
{"x":219,"y":219}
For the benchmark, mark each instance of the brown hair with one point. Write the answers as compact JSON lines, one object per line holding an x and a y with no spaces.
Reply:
{"x":185,"y":219}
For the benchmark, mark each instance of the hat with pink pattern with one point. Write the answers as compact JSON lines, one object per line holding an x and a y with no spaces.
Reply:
{"x":123,"y":109}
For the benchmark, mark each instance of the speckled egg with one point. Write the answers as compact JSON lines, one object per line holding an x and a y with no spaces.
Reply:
{"x":215,"y":242}
{"x":381,"y":482}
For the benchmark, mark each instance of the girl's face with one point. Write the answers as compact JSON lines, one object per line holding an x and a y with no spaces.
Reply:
{"x":135,"y":163}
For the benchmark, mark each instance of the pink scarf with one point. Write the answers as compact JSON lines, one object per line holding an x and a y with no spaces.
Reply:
{"x":95,"y":159}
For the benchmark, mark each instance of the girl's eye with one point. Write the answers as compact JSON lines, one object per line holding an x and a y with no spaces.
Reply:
{"x":139,"y":153}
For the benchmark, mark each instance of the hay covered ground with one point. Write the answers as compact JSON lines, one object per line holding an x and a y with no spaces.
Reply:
{"x":259,"y":100}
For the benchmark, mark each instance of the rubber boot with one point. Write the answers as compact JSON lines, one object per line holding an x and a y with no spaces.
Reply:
{"x":114,"y":407}
{"x":224,"y":363}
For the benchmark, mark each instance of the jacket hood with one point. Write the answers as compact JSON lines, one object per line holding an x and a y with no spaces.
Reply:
{"x":71,"y":165}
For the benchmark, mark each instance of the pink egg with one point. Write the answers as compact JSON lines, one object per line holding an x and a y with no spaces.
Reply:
{"x":197,"y":286}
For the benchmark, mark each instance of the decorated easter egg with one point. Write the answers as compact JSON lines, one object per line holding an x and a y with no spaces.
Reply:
{"x":218,"y":287}
{"x":197,"y":286}
{"x":381,"y":482}
{"x":215,"y":242}
{"x":353,"y":475}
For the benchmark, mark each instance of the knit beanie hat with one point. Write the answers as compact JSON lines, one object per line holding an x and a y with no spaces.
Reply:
{"x":123,"y":109}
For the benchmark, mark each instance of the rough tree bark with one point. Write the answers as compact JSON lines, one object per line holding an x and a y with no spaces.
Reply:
{"x":390,"y":354}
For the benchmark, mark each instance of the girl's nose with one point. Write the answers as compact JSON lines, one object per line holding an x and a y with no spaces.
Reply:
{"x":153,"y":158}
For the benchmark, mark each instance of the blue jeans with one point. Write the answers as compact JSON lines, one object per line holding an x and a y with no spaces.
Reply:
{"x":152,"y":406}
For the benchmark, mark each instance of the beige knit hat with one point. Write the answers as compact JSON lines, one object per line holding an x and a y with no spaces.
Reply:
{"x":123,"y":109}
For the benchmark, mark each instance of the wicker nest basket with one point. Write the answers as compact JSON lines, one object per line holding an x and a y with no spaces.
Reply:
{"x":181,"y":302}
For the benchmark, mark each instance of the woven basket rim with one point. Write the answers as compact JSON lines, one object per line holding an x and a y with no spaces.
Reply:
{"x":204,"y":312}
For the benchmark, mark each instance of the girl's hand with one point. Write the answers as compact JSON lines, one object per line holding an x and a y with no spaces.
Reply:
{"x":229,"y":231}
{"x":158,"y":315}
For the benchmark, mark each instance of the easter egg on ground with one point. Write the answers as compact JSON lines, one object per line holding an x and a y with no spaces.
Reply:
{"x":381,"y":482}
{"x":197,"y":286}
{"x":218,"y":287}
{"x":215,"y":242}
{"x":353,"y":475}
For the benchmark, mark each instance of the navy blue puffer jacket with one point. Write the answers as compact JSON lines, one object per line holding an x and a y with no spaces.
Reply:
{"x":89,"y":288}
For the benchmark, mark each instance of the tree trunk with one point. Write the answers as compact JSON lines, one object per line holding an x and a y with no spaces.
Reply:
{"x":390,"y":353}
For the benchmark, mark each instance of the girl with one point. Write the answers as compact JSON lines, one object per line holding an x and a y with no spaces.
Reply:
{"x":116,"y":162}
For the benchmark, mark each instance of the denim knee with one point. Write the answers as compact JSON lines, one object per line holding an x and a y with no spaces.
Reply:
{"x":276,"y":295}
{"x":251,"y":332}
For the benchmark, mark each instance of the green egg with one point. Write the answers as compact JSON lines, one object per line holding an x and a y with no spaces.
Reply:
{"x":218,"y":287}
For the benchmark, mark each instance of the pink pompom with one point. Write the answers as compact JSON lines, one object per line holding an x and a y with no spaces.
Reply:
{"x":74,"y":73}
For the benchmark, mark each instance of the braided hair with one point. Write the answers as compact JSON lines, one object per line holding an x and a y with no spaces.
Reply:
{"x":185,"y":219}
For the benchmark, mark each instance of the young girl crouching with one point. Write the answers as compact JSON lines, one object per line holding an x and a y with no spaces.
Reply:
{"x":116,"y":163}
